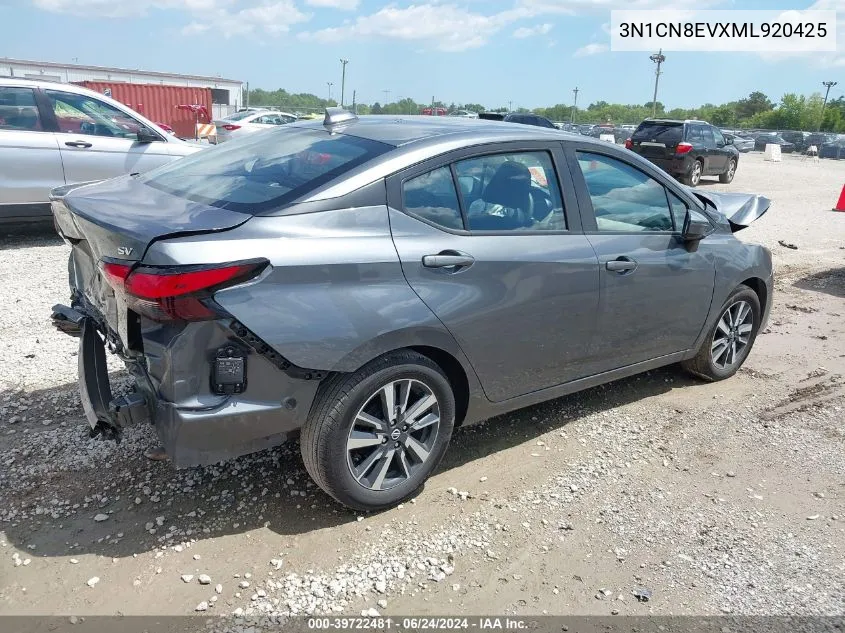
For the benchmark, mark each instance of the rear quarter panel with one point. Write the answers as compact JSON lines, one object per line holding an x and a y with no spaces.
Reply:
{"x":335,"y":297}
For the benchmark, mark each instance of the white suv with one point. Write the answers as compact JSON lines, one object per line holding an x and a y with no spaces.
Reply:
{"x":52,"y":134}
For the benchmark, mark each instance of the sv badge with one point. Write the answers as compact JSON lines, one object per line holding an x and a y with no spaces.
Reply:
{"x":124,"y":250}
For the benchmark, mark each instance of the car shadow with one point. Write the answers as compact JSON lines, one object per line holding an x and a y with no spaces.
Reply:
{"x":269,"y":489}
{"x":29,"y":236}
{"x":830,"y":281}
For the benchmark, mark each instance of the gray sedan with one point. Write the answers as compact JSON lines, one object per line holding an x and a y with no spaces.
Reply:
{"x":375,"y":283}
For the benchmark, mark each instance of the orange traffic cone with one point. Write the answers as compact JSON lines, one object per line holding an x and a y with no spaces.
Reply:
{"x":840,"y":206}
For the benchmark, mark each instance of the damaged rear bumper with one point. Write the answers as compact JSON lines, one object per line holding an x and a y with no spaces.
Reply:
{"x":105,"y":413}
{"x":212,"y":428}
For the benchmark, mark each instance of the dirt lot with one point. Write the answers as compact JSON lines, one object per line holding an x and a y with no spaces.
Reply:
{"x":712,"y":498}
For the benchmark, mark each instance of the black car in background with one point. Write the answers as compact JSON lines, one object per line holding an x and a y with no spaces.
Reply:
{"x":526,"y":118}
{"x":687,"y":150}
{"x":770,"y":138}
{"x":799,"y":140}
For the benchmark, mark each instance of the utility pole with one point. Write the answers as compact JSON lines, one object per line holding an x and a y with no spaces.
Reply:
{"x":343,"y":81}
{"x":658,"y":58}
{"x":828,"y":85}
{"x":354,"y":103}
{"x":330,"y":84}
{"x":574,"y":105}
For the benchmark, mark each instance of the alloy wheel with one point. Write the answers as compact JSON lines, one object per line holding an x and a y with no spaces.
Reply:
{"x":732,"y":335}
{"x":731,"y":170}
{"x":696,"y":173}
{"x":393,"y":434}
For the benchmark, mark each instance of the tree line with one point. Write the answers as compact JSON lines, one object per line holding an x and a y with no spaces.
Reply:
{"x":757,"y":110}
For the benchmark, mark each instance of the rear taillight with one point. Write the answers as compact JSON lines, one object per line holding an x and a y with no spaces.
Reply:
{"x":180,"y":293}
{"x":231,"y":127}
{"x":628,"y":144}
{"x":683,"y":148}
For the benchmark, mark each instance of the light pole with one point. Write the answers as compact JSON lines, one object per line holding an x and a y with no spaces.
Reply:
{"x":343,"y":81}
{"x":828,"y":85}
{"x":658,"y":58}
{"x":330,"y":84}
{"x":574,"y":105}
{"x":386,"y":96}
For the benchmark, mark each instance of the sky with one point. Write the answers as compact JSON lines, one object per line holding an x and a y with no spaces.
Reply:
{"x":523,"y":53}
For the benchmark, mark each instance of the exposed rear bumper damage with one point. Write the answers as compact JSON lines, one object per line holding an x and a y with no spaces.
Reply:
{"x":206,"y":429}
{"x":105,"y":414}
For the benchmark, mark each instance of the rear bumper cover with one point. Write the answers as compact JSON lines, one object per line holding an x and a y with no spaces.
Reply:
{"x":228,"y":427}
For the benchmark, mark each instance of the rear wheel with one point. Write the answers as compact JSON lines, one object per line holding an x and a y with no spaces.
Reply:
{"x":373,"y":437}
{"x":729,"y":173}
{"x":730,"y":339}
{"x":694,"y":176}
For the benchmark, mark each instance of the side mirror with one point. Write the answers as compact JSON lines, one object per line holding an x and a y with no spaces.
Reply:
{"x":146,"y":135}
{"x":729,"y":140}
{"x":696,"y":226}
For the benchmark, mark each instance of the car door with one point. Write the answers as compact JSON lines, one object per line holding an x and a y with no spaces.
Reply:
{"x":655,"y":292}
{"x":98,"y":141}
{"x":30,"y":162}
{"x":724,"y":149}
{"x":716,"y":149}
{"x":492,"y":248}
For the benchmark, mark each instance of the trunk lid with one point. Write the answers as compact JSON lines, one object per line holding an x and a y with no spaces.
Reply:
{"x":120,"y":218}
{"x":740,"y":209}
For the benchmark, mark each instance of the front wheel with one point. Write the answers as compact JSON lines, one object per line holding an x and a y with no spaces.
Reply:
{"x":729,"y":173}
{"x":730,"y":339}
{"x":694,"y":176}
{"x":373,"y":437}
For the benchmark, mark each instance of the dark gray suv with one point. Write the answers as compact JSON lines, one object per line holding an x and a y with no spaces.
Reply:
{"x":375,"y":283}
{"x":687,"y":150}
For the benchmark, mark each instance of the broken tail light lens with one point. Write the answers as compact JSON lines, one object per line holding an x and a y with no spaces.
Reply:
{"x":177,"y":293}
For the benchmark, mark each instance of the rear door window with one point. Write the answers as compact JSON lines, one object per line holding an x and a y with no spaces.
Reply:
{"x":432,"y":197}
{"x":706,"y":133}
{"x":18,"y":110}
{"x":265,"y":172}
{"x":670,"y":134}
{"x":511,"y":192}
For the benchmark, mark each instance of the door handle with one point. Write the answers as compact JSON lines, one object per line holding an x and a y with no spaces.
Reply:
{"x":448,"y":259}
{"x":621,"y":265}
{"x":83,"y":144}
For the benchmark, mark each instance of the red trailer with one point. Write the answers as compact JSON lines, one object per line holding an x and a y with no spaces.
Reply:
{"x":158,"y":103}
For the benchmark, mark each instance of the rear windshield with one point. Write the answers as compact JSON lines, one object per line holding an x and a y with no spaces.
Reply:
{"x":263,"y":171}
{"x":666,"y":133}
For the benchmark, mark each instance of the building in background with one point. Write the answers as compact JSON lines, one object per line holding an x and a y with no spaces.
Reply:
{"x":226,"y":94}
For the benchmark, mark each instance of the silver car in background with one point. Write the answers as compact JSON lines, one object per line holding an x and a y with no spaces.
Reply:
{"x":247,"y":122}
{"x":375,"y":283}
{"x":53,"y":134}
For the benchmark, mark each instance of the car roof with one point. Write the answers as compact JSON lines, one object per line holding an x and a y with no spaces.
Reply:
{"x":416,"y":129}
{"x":37,"y":83}
{"x":679,"y":121}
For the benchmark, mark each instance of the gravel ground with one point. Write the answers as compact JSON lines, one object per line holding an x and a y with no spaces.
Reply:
{"x":653,"y":495}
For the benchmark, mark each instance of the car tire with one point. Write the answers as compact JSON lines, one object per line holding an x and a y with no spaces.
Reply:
{"x":728,"y":176}
{"x":694,"y":176}
{"x":339,"y":438}
{"x":738,"y":324}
